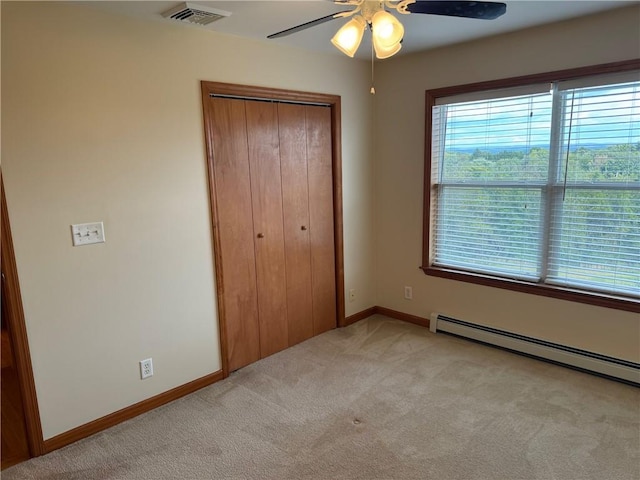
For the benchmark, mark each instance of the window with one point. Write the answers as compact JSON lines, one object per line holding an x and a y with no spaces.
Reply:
{"x":535,"y":184}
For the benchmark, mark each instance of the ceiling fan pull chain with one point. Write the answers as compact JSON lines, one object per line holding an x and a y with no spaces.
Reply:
{"x":373,"y":89}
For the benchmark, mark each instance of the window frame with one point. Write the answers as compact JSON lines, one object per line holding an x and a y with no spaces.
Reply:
{"x":560,"y":292}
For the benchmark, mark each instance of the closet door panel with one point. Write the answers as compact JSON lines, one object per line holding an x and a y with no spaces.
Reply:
{"x":233,"y":196}
{"x":266,"y":191}
{"x":320,"y":171}
{"x":295,"y":200}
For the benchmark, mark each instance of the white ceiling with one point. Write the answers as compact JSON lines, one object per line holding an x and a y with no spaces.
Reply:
{"x":257,"y":19}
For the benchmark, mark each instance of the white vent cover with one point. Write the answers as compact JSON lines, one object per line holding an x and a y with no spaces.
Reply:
{"x":198,"y":14}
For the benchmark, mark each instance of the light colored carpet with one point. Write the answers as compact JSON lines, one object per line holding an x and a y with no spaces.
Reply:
{"x":381,"y":399}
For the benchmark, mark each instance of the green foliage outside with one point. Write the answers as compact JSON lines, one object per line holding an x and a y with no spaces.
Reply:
{"x":613,"y":163}
{"x":595,"y":232}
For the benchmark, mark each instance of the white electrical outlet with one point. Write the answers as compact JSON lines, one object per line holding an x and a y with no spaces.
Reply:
{"x":408,"y":293}
{"x":146,"y":368}
{"x":352,"y":295}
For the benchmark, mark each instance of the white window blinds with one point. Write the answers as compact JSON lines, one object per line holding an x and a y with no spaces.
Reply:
{"x":595,"y":231}
{"x":543,"y":187}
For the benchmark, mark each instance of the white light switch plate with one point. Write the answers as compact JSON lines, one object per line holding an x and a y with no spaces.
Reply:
{"x":86,"y":233}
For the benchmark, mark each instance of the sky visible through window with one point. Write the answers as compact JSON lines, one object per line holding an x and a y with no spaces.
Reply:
{"x":520,"y":123}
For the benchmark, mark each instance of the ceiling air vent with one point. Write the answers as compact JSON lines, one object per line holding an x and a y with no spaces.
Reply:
{"x":197,"y":14}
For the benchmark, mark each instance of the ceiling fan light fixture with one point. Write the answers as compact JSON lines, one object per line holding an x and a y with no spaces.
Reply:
{"x":348,"y":38}
{"x":386,"y":29}
{"x":383,"y":51}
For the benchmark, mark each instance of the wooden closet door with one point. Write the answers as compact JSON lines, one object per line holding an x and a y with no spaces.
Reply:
{"x":272,"y":179}
{"x":235,"y":228}
{"x":266,"y":192}
{"x":295,"y":199}
{"x":321,"y":235}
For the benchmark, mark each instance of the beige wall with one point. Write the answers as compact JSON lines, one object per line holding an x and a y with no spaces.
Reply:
{"x":401,"y":83}
{"x":102,"y":121}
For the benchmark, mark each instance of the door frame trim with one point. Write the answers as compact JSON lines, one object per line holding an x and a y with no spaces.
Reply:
{"x":275,"y":94}
{"x":18,"y":332}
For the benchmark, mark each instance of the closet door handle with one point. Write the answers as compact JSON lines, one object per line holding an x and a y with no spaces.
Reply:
{"x":303,"y":227}
{"x":261,"y":235}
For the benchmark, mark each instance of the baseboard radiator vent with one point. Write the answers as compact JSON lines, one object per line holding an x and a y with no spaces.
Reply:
{"x":614,"y":368}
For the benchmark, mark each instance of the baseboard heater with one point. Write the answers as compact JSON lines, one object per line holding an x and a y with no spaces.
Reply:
{"x":614,"y":368}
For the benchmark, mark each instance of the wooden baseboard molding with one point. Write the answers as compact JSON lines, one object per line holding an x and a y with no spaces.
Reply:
{"x":356,"y":317}
{"x":127,"y":413}
{"x":405,"y":317}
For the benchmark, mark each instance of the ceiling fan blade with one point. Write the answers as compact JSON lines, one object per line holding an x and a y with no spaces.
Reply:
{"x":304,"y":26}
{"x":482,"y":10}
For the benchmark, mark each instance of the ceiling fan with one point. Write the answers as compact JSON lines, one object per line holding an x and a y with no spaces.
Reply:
{"x":387,"y":31}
